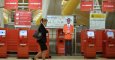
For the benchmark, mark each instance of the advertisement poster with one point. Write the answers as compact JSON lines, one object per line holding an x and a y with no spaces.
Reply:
{"x":58,"y":21}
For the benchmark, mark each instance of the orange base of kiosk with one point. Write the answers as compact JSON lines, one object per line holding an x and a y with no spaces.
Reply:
{"x":90,"y":52}
{"x":23,"y":51}
{"x":60,"y":50}
{"x":3,"y":50}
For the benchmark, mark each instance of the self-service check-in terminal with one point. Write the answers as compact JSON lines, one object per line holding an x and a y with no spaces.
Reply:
{"x":23,"y":50}
{"x":3,"y":45}
{"x":109,"y":44}
{"x":90,"y":49}
{"x":60,"y":47}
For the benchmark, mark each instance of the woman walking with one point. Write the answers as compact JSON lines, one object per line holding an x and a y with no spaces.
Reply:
{"x":42,"y":41}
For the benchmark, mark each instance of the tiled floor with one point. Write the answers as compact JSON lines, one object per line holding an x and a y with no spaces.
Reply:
{"x":59,"y":58}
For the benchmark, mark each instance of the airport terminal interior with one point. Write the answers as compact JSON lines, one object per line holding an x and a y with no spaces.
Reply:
{"x":77,"y":29}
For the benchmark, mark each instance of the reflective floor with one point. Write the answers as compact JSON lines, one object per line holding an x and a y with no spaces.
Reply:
{"x":59,"y":58}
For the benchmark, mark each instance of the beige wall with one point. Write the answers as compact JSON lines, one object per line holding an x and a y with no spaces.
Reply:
{"x":1,"y":13}
{"x":55,"y":7}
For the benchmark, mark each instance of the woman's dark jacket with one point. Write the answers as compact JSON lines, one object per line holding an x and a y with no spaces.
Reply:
{"x":43,"y":30}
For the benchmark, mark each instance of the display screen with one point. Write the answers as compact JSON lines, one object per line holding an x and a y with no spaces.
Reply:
{"x":110,"y":34}
{"x":23,"y":32}
{"x":2,"y":32}
{"x":90,"y":33}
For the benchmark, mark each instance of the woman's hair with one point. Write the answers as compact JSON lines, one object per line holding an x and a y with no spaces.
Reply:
{"x":43,"y":20}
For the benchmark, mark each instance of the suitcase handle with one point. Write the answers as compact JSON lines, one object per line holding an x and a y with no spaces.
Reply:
{"x":23,"y":44}
{"x":1,"y":44}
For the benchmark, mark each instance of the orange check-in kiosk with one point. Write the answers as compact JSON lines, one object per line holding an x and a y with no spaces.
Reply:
{"x":89,"y":44}
{"x":60,"y":47}
{"x":23,"y":49}
{"x":109,"y":44}
{"x":3,"y":44}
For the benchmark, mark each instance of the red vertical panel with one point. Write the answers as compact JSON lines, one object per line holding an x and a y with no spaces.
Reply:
{"x":99,"y":40}
{"x":114,"y":4}
{"x":86,"y":5}
{"x":35,"y":4}
{"x":108,"y":6}
{"x":11,"y":4}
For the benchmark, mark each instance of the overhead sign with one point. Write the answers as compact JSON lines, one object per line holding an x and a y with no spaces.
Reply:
{"x":35,"y":4}
{"x":108,"y":6}
{"x":22,"y":19}
{"x":11,"y":4}
{"x":58,"y":21}
{"x":97,"y":20}
{"x":86,"y":5}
